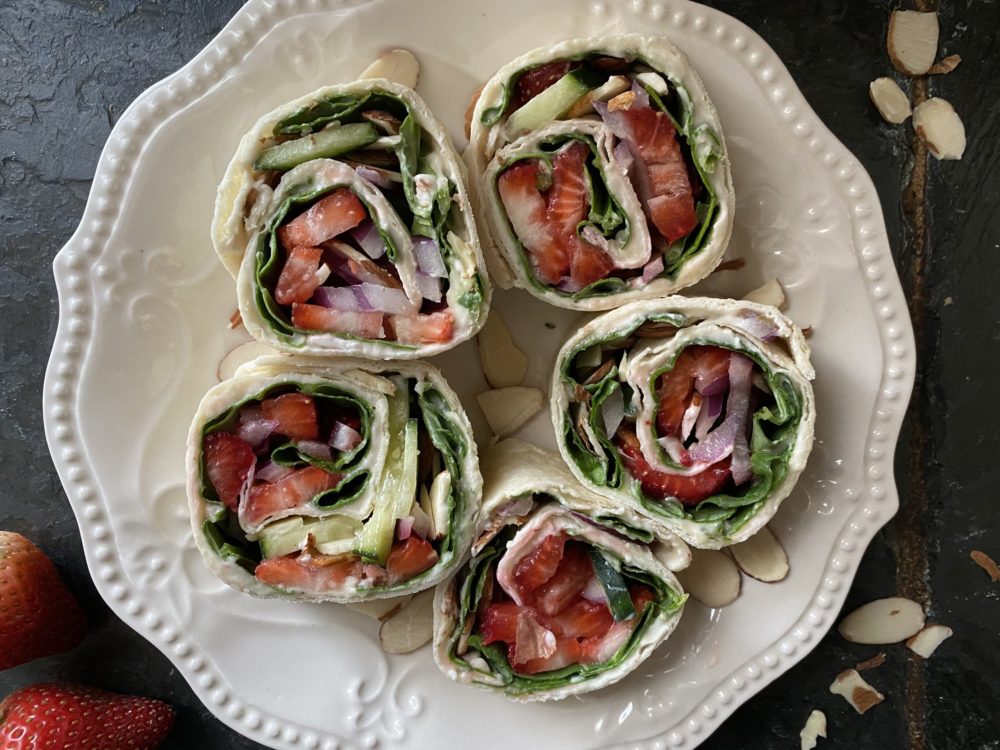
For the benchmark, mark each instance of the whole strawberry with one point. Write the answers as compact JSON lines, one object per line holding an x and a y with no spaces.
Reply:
{"x":75,"y":717}
{"x":38,"y":615}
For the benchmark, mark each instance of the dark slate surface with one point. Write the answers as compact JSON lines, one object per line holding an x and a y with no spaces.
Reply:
{"x":67,"y":70}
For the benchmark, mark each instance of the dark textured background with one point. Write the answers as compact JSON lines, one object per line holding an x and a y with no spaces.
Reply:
{"x":68,"y":68}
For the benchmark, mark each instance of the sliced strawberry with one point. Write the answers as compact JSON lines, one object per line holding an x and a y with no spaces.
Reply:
{"x":689,"y":490}
{"x":328,"y":217}
{"x":641,"y":596}
{"x":567,"y":199}
{"x":538,"y":566}
{"x":228,"y":462}
{"x":434,"y":328}
{"x":567,"y":652}
{"x":410,"y":557}
{"x":533,"y":82}
{"x":292,"y":491}
{"x":571,"y":577}
{"x":298,"y":574}
{"x":366,"y":325}
{"x":676,"y":387}
{"x":526,"y":209}
{"x":600,"y":648}
{"x":499,"y":622}
{"x":295,"y":414}
{"x":589,"y":264}
{"x":583,"y":619}
{"x":299,"y":279}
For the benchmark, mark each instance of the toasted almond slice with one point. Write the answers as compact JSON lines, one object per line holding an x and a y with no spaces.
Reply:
{"x":397,"y":65}
{"x":890,"y":100}
{"x":504,"y":365}
{"x":882,"y":621}
{"x":471,"y":109}
{"x":622,"y":101}
{"x":246,"y":352}
{"x":508,"y":409}
{"x":945,"y":65}
{"x":939,"y":126}
{"x":768,"y":293}
{"x":381,"y":609}
{"x":712,"y":578}
{"x":876,"y":661}
{"x":610,"y":88}
{"x":856,"y":691}
{"x":761,"y":557}
{"x":411,"y":627}
{"x":815,"y":727}
{"x":927,"y":640}
{"x":987,"y":563}
{"x":235,"y":320}
{"x":912,"y":41}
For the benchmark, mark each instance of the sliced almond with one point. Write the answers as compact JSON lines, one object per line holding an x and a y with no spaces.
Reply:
{"x":912,"y":41}
{"x":236,"y":319}
{"x":945,"y":65}
{"x":987,"y":563}
{"x":768,"y":293}
{"x":439,"y":495}
{"x":504,"y":365}
{"x":246,"y":352}
{"x":381,"y":609}
{"x":508,"y":409}
{"x":398,"y":65}
{"x":856,"y":691}
{"x":939,"y":126}
{"x":712,"y":578}
{"x":927,"y":640}
{"x":890,"y":100}
{"x":876,"y":661}
{"x":411,"y":627}
{"x":815,"y":727}
{"x":610,"y":88}
{"x":761,"y":557}
{"x":622,"y":101}
{"x":883,"y":621}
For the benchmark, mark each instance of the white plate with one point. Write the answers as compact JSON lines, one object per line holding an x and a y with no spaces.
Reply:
{"x":143,"y":313}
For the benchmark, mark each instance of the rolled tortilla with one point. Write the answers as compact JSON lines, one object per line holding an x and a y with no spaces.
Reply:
{"x":345,"y":219}
{"x":338,"y":481}
{"x":562,"y":595}
{"x":600,"y":172}
{"x":698,"y":412}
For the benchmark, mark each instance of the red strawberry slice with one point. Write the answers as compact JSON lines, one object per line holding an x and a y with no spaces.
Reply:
{"x":366,"y":325}
{"x":38,"y":615}
{"x":295,"y":414}
{"x":533,"y":82}
{"x":499,"y":622}
{"x":228,"y":461}
{"x":328,"y":217}
{"x":689,"y":490}
{"x":299,"y":279}
{"x":434,"y":328}
{"x":676,"y":387}
{"x":76,"y":717}
{"x":410,"y":557}
{"x":589,"y":264}
{"x":571,"y":577}
{"x":567,"y":652}
{"x":314,"y":576}
{"x":583,"y":619}
{"x":539,"y":565}
{"x":526,"y":209}
{"x":567,"y":199}
{"x":641,"y":597}
{"x":292,"y":491}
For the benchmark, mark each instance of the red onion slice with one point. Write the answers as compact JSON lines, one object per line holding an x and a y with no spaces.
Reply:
{"x":613,"y":411}
{"x":256,"y":431}
{"x":272,"y":472}
{"x":344,"y":437}
{"x":429,"y":287}
{"x":652,"y":269}
{"x":757,"y":325}
{"x":593,"y":235}
{"x":429,"y":258}
{"x":315,"y":448}
{"x":711,"y":408}
{"x":388,"y":300}
{"x":624,"y":156}
{"x":364,"y":297}
{"x":404,"y":527}
{"x":377,"y":177}
{"x":594,"y":592}
{"x":641,"y":100}
{"x":719,"y":442}
{"x":518,"y":507}
{"x":251,"y":412}
{"x":367,"y":236}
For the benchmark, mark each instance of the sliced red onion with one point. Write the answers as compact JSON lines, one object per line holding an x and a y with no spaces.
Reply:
{"x":675,"y":449}
{"x":641,"y":96}
{"x":429,"y":287}
{"x":344,"y":437}
{"x":251,"y":412}
{"x":388,"y":300}
{"x":519,"y":507}
{"x":719,"y":442}
{"x":712,"y":388}
{"x":652,"y":269}
{"x":341,"y":258}
{"x":593,"y":235}
{"x":690,"y":416}
{"x":429,"y":258}
{"x":740,"y":467}
{"x":760,"y":382}
{"x":757,"y":325}
{"x":367,"y":236}
{"x":256,"y":431}
{"x":272,"y":472}
{"x":404,"y":527}
{"x":624,"y":156}
{"x":341,"y":298}
{"x":421,"y":522}
{"x":613,"y":411}
{"x":374,"y":176}
{"x":711,"y":408}
{"x":594,"y":592}
{"x":315,"y":448}
{"x":364,"y":297}
{"x":567,"y":284}
{"x":247,"y":484}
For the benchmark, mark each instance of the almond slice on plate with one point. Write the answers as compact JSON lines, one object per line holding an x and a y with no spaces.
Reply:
{"x":508,"y":409}
{"x":876,"y":661}
{"x":768,"y":293}
{"x":411,"y":627}
{"x":381,"y":609}
{"x":398,"y":65}
{"x":815,"y":727}
{"x":945,"y":65}
{"x":890,"y":100}
{"x":246,"y":352}
{"x":883,"y":621}
{"x":856,"y":691}
{"x":761,"y":557}
{"x":939,"y":126}
{"x":912,"y":41}
{"x":712,"y":578}
{"x":987,"y":563}
{"x":504,"y":365}
{"x":927,"y":640}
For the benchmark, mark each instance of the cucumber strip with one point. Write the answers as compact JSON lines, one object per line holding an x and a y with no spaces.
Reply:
{"x":287,"y":535}
{"x":324,"y":144}
{"x":611,"y":580}
{"x":552,"y":103}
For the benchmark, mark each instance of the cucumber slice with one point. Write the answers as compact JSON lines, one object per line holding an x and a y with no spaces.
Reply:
{"x":287,"y":535}
{"x":553,"y":102}
{"x":324,"y":144}
{"x":619,"y":600}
